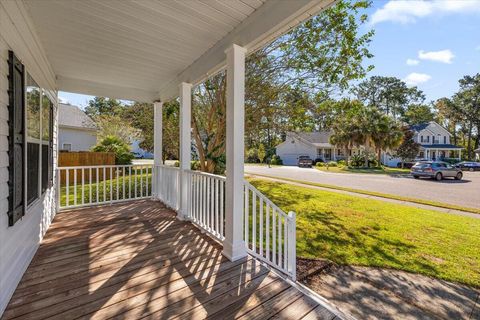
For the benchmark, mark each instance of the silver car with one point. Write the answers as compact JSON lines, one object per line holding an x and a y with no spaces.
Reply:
{"x":436,"y":170}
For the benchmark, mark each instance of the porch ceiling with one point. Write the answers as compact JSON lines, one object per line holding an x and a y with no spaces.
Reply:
{"x":142,"y":50}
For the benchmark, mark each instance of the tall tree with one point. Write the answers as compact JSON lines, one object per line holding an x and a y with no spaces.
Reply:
{"x":418,"y":113}
{"x":103,"y":106}
{"x":408,"y":149}
{"x":308,"y":60}
{"x":389,"y":94}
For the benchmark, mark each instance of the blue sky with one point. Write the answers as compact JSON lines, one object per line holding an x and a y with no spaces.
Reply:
{"x":439,"y":38}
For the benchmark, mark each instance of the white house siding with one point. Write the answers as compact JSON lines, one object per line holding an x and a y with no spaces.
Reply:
{"x":19,"y":242}
{"x":291,"y":149}
{"x":81,"y":140}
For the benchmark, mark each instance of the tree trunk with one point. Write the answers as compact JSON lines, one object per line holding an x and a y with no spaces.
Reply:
{"x":379,"y":156}
{"x":469,"y":143}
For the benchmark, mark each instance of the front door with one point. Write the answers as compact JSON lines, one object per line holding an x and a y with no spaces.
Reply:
{"x":434,"y":155}
{"x":328,"y":154}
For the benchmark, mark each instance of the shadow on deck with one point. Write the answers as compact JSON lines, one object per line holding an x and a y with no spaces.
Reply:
{"x":135,"y":260}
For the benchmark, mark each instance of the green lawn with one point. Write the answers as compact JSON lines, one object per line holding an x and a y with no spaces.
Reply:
{"x":377,"y":170}
{"x":358,"y":231}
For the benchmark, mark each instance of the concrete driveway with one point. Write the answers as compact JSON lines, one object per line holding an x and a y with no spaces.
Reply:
{"x":465,"y":192}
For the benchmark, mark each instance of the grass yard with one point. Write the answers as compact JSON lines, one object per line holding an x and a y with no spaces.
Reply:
{"x":377,"y":170}
{"x":358,"y":231}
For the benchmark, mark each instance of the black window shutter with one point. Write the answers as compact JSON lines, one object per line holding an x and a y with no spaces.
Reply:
{"x":17,"y":136}
{"x":50,"y":148}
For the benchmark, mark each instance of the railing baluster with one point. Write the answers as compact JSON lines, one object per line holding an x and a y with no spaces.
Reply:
{"x":123,"y":184}
{"x":74,"y":187}
{"x":267,"y":230}
{"x":129,"y":182}
{"x":274,"y":236}
{"x":261,"y":226}
{"x":222,"y":208}
{"x":279,"y":235}
{"x":97,"y":186}
{"x":146,"y":180}
{"x":135,"y":182}
{"x":285,"y":243}
{"x":118,"y":182}
{"x":111,"y":184}
{"x":254,"y":222}
{"x":104,"y":184}
{"x":217,"y":198}
{"x":83,"y":186}
{"x":90,"y":186}
{"x":141,"y":181}
{"x":67,"y":187}
{"x":247,"y":220}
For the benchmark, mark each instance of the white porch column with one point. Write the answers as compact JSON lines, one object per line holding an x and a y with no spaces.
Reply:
{"x":460,"y":154}
{"x":185,"y":145}
{"x":157,"y":141}
{"x":234,"y":245}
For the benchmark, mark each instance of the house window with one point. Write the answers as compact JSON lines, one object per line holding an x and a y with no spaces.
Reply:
{"x":39,"y":140}
{"x":421,"y":138}
{"x":444,"y":139}
{"x":428,"y":138}
{"x":67,"y":147}
{"x":33,"y":139}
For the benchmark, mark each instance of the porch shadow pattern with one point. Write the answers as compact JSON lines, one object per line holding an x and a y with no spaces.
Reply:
{"x":136,"y":260}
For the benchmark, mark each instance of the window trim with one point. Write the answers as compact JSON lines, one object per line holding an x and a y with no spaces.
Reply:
{"x":40,"y":142}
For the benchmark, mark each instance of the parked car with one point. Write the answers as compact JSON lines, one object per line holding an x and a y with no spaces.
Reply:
{"x":305,"y":161}
{"x":406,"y":164}
{"x":468,"y":165}
{"x":436,"y":170}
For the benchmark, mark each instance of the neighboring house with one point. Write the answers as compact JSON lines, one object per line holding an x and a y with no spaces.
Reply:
{"x":139,"y":152}
{"x":77,"y":131}
{"x":477,"y":154}
{"x":314,"y":144}
{"x":433,"y":138}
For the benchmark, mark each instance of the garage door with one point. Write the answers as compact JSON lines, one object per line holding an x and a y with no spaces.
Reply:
{"x":290,"y":159}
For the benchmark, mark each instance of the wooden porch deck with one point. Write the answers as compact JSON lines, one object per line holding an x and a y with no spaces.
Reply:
{"x":135,"y":260}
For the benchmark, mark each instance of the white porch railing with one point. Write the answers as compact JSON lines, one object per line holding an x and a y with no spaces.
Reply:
{"x":206,"y":202}
{"x":270,"y":234}
{"x":167,"y":185}
{"x":94,"y":185}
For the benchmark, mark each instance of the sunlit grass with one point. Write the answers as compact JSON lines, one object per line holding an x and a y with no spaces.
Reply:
{"x":359,"y":231}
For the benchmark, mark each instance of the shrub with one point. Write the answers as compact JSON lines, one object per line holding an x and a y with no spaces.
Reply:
{"x":332,"y":164}
{"x":123,"y":155}
{"x":276,"y":160}
{"x":194,"y":165}
{"x":177,"y":164}
{"x":251,"y":156}
{"x":320,"y":164}
{"x":357,"y":160}
{"x":341,"y":163}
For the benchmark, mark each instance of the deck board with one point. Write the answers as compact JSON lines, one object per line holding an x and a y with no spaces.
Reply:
{"x":135,"y":260}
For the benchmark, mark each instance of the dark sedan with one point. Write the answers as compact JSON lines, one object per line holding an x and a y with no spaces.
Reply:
{"x":305,"y":161}
{"x":468,"y":166}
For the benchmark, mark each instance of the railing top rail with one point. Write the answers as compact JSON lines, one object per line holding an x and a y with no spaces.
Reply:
{"x":265,"y":199}
{"x":106,"y":166}
{"x":201,"y":173}
{"x":167,"y":167}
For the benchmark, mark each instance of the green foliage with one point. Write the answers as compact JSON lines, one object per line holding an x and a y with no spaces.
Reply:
{"x":408,"y":149}
{"x":176,"y":164}
{"x":103,"y":106}
{"x":251,"y":155}
{"x":332,"y":164}
{"x":342,"y":163}
{"x":388,"y":94}
{"x":276,"y":160}
{"x":320,"y":164}
{"x":261,"y":152}
{"x":418,"y":113}
{"x":123,"y":155}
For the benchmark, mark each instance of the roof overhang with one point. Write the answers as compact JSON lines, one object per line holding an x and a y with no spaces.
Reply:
{"x":142,"y":50}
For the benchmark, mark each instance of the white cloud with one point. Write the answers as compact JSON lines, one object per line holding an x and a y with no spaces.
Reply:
{"x":412,"y":62}
{"x":404,"y":11}
{"x":444,"y":56}
{"x":63,"y":100}
{"x":414,"y":79}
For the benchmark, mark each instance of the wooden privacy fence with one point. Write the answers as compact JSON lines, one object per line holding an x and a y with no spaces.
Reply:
{"x":85,"y":159}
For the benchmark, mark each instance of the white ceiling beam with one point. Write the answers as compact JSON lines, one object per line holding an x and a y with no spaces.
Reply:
{"x":269,"y":21}
{"x":104,"y":90}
